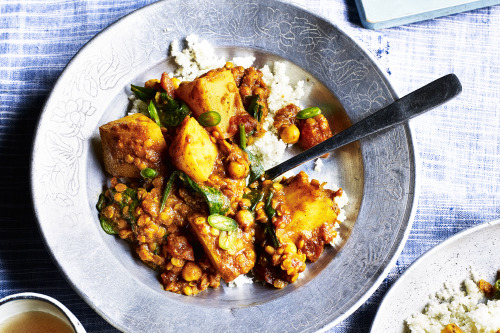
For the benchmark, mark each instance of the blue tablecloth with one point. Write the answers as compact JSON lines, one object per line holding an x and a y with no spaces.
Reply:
{"x":458,"y":145}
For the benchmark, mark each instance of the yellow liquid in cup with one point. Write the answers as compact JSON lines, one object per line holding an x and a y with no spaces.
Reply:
{"x":35,"y":322}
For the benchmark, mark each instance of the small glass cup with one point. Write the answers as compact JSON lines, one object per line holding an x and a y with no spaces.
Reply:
{"x":26,"y":302}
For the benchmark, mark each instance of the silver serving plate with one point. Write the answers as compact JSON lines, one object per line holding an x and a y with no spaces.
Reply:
{"x":378,"y":173}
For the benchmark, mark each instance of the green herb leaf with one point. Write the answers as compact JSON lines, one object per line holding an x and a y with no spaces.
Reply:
{"x":209,"y":119}
{"x":129,"y":197}
{"x":165,"y":97}
{"x":227,"y":239}
{"x":217,"y":202}
{"x":255,"y":197}
{"x":309,"y":113}
{"x":107,"y":226}
{"x":149,"y":173}
{"x":174,"y":112}
{"x":143,"y":93}
{"x":101,"y":202}
{"x":256,"y":168}
{"x":270,"y":212}
{"x":153,"y":113}
{"x":168,"y":189}
{"x":222,"y":222}
{"x":254,"y":108}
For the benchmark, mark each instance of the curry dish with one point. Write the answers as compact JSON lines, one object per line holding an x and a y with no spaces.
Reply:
{"x":193,"y":200}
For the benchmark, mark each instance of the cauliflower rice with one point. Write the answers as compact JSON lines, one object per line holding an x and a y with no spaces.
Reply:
{"x":460,"y":304}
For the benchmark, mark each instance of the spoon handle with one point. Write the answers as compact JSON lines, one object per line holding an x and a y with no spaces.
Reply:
{"x":407,"y":107}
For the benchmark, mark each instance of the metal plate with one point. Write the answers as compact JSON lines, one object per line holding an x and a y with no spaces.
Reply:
{"x":449,"y":262}
{"x":377,"y":173}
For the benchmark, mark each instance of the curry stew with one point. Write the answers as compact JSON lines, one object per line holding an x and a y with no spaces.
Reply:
{"x":192,"y":199}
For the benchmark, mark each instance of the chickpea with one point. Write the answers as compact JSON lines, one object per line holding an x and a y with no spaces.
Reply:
{"x":176,"y":82}
{"x":244,"y":218}
{"x":290,"y":134}
{"x":191,"y":272}
{"x":238,"y":170}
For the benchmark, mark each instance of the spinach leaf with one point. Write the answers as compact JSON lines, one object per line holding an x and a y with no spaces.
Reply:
{"x":256,"y":168}
{"x":173,"y":112}
{"x":217,"y":202}
{"x":254,"y":108}
{"x":142,"y":93}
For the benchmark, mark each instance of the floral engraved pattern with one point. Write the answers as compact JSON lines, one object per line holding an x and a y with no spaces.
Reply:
{"x":391,"y":164}
{"x":233,"y":22}
{"x":65,"y":147}
{"x":278,"y":26}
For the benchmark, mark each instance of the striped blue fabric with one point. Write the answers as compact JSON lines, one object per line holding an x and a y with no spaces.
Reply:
{"x":458,"y":145}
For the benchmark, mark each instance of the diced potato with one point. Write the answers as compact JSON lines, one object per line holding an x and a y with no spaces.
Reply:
{"x":192,"y":151}
{"x":214,"y":91}
{"x":131,"y":144}
{"x":231,"y":263}
{"x":310,"y":206}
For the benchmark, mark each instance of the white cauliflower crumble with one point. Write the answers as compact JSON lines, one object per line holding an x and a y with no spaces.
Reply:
{"x":138,"y":106}
{"x":240,"y":281}
{"x":460,"y":304}
{"x":198,"y":58}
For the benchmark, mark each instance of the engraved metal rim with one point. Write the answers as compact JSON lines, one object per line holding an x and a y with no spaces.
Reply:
{"x":120,"y":322}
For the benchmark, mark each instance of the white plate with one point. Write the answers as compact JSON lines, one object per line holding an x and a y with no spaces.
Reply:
{"x":451,"y":261}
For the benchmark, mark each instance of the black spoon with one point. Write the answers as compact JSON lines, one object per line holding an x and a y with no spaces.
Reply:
{"x":403,"y":109}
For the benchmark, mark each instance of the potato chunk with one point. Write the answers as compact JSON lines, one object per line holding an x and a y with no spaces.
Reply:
{"x":214,"y":91}
{"x":310,"y":205}
{"x":231,"y":263}
{"x":131,"y":144}
{"x":192,"y":151}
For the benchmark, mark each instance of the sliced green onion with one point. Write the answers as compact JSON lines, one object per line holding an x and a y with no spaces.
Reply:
{"x":143,"y":93}
{"x":227,"y":239}
{"x":107,"y":226}
{"x":222,"y":222}
{"x":243,"y":136}
{"x":309,"y":113}
{"x":154,"y":113}
{"x":209,"y":119}
{"x":149,"y":173}
{"x":168,"y":188}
